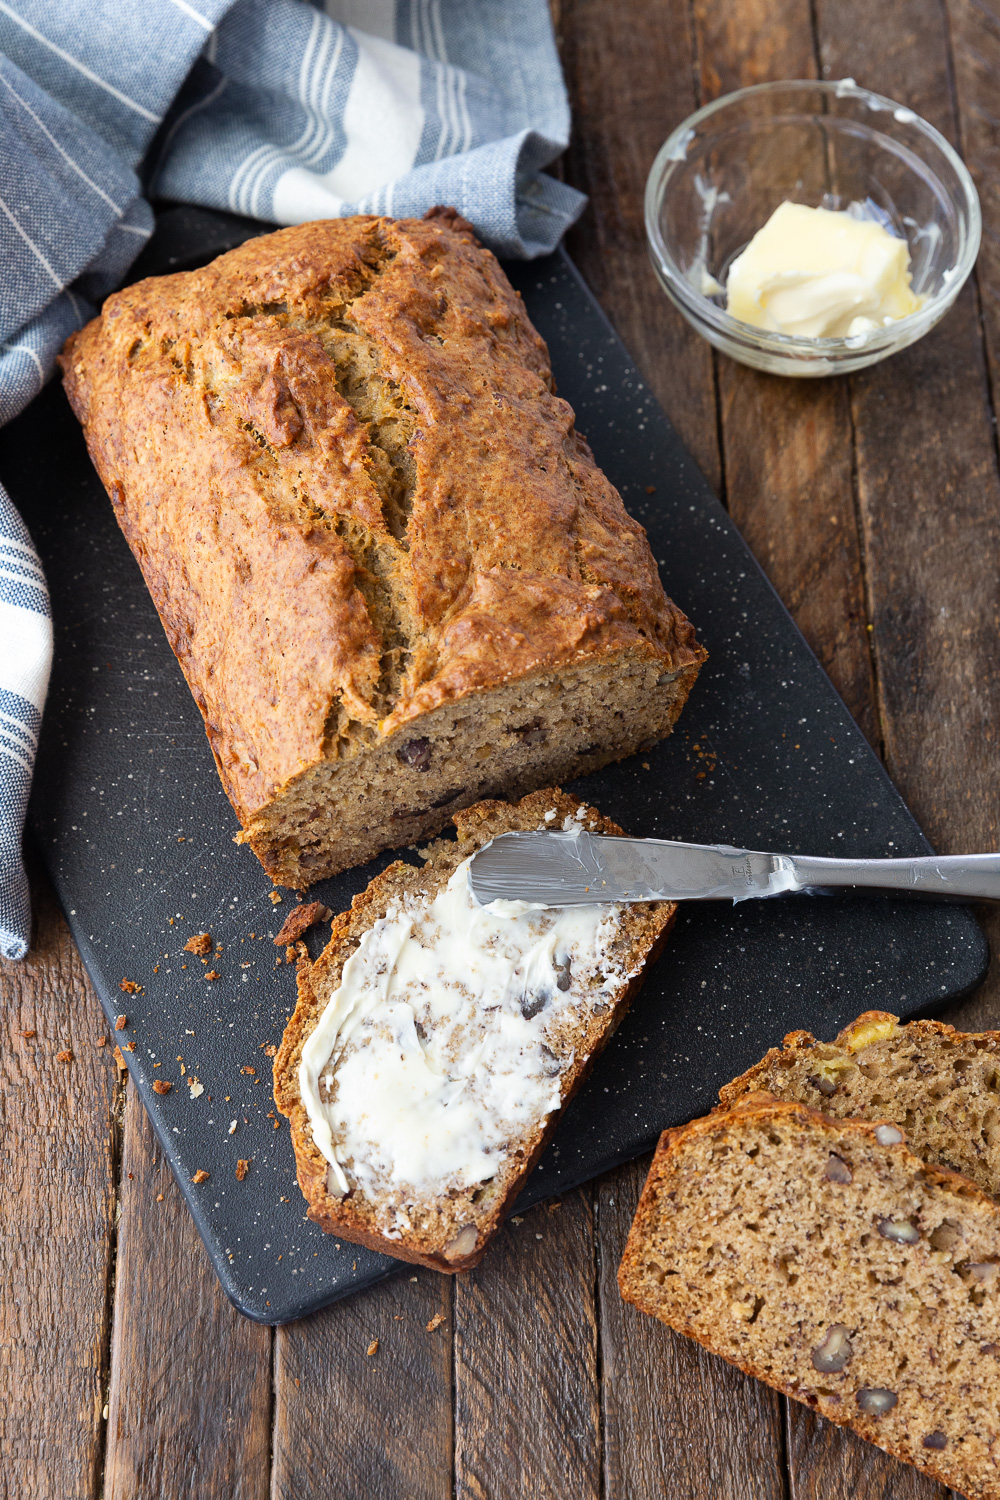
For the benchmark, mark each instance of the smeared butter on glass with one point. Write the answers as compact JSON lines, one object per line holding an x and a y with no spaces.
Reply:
{"x":820,"y":274}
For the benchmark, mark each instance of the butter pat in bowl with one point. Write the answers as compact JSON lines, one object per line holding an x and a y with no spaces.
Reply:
{"x":810,"y":228}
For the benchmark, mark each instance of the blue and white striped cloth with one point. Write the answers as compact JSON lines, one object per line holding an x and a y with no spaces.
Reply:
{"x":284,"y":110}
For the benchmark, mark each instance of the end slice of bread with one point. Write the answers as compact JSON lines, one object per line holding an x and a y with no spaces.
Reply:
{"x":825,"y":1258}
{"x":436,"y":1090}
{"x":940,"y":1085}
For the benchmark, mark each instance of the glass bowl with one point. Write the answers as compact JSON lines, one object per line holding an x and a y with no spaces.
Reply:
{"x":725,"y":170}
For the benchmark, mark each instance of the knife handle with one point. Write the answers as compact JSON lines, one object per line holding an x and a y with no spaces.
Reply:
{"x":973,"y":877}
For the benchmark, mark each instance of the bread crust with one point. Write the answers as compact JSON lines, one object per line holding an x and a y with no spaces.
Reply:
{"x":763,"y":1107}
{"x":338,"y":457}
{"x":646,"y":934}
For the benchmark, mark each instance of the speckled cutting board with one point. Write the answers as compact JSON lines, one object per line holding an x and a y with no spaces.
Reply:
{"x":137,"y":834}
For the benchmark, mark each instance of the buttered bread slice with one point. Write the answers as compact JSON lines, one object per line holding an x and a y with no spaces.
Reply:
{"x":435,"y":1042}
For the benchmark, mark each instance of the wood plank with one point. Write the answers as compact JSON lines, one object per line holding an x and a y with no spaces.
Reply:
{"x":190,"y":1399}
{"x":975,"y":36}
{"x":527,"y":1416}
{"x":359,"y":1425}
{"x":57,"y":1204}
{"x":929,"y":492}
{"x":626,"y":98}
{"x":787,"y":443}
{"x":629,"y":86}
{"x":680,"y":1424}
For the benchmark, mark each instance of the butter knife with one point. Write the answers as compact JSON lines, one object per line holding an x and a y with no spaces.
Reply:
{"x":580,"y":868}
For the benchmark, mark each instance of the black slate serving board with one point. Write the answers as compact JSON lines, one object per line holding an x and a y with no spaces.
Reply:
{"x":135,"y":830}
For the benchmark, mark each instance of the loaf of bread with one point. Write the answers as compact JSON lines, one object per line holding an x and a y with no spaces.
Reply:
{"x":941,"y":1085}
{"x":827,"y":1259}
{"x":392,"y":573}
{"x":435,"y":1042}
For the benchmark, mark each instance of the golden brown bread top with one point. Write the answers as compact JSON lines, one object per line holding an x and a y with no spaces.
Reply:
{"x":339,"y":460}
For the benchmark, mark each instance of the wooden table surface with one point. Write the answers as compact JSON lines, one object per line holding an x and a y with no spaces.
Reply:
{"x":873,"y":502}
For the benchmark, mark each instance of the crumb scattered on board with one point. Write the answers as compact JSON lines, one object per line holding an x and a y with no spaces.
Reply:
{"x":435,"y":1322}
{"x":242,"y":1168}
{"x":372,"y":1348}
{"x":130,"y":986}
{"x":121,"y":1022}
{"x":160,"y":1085}
{"x":200,"y":943}
{"x":200,"y":1176}
{"x":299,"y":919}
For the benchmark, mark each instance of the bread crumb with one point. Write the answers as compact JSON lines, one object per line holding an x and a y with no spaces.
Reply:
{"x":372,"y":1348}
{"x":197,"y":1089}
{"x":651,"y":489}
{"x":212,"y":974}
{"x":645,"y":765}
{"x":435,"y":1322}
{"x":129,"y":986}
{"x":269,"y":1049}
{"x":64,"y":1056}
{"x":232,"y":1127}
{"x":299,"y":919}
{"x":161,"y":1086}
{"x":251,"y":1071}
{"x":242,"y":1168}
{"x":28,"y":1035}
{"x":121,"y":1022}
{"x":200,"y":943}
{"x":274,"y":898}
{"x":129,"y":1047}
{"x":200,"y":1176}
{"x":289,"y":955}
{"x":159,"y":1197}
{"x":102,"y":1041}
{"x":517,"y":1219}
{"x":412,"y":1278}
{"x":556,"y":1203}
{"x":120,"y":1060}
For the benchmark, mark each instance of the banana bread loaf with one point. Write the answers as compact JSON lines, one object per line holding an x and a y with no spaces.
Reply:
{"x":826,"y":1258}
{"x":392,"y":573}
{"x":941,"y":1085}
{"x":435,"y":1042}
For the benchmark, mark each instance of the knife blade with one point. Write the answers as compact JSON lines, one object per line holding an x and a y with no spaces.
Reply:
{"x":578,"y":868}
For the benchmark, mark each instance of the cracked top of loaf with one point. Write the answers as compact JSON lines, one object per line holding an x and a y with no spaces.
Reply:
{"x":338,"y":457}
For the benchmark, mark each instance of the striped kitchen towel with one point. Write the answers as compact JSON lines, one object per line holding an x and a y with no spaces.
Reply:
{"x":283,"y":110}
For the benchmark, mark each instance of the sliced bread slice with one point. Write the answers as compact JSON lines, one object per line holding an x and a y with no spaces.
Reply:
{"x":434,"y":1043}
{"x":827,"y":1259}
{"x":941,"y":1085}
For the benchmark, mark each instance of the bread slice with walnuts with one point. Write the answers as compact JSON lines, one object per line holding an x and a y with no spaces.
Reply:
{"x":940,"y":1085}
{"x":561,"y":1018}
{"x":826,"y":1258}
